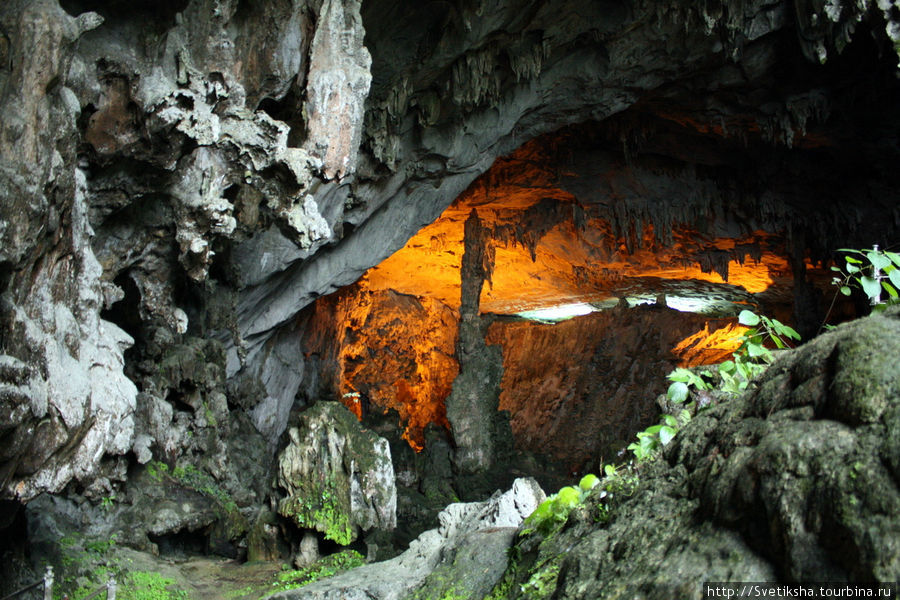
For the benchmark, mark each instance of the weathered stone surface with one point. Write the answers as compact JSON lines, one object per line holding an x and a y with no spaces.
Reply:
{"x":339,"y":478}
{"x":382,"y":351}
{"x":785,"y":483}
{"x":462,"y":526}
{"x":61,"y":418}
{"x":338,"y":83}
{"x":579,"y":390}
{"x":479,"y":430}
{"x":144,"y":151}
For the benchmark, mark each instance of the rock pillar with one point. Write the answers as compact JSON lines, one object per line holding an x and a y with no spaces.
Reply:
{"x":472,"y":407}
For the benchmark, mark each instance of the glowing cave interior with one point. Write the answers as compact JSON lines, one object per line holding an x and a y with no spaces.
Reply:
{"x":598,"y":273}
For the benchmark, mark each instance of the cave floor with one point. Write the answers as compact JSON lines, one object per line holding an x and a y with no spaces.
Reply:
{"x":209,"y":578}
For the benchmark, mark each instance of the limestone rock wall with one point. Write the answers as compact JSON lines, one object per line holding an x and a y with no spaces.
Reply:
{"x":579,"y":390}
{"x":381,"y":352}
{"x":338,"y":479}
{"x":795,"y":481}
{"x":178,"y":169}
{"x":65,"y":400}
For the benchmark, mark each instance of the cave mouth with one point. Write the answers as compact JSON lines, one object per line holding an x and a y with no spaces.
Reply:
{"x":599,"y":270}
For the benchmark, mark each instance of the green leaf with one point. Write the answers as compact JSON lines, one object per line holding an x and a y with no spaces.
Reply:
{"x":851,"y":260}
{"x":894,"y":257}
{"x":889,"y":289}
{"x":653,"y":429}
{"x":610,"y":470}
{"x":756,"y":350}
{"x":852,"y":268}
{"x":748,"y":318}
{"x":678,"y":392}
{"x":680,"y":374}
{"x":845,"y":290}
{"x":790,"y":332}
{"x":727,"y":367}
{"x":666,"y":434}
{"x":670,"y":421}
{"x":870,"y":286}
{"x":878,"y":260}
{"x":567,"y":497}
{"x":590,"y":480}
{"x":894,"y":276}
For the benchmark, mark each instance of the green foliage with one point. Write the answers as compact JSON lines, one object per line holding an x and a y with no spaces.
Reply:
{"x":325,"y":567}
{"x":542,"y":582}
{"x":655,"y":437}
{"x":874,"y":272}
{"x":554,"y":511}
{"x":88,"y":564}
{"x":157,"y":470}
{"x":191,"y":477}
{"x":754,"y":355}
{"x":750,"y":360}
{"x":323,"y":507}
{"x":149,"y":585}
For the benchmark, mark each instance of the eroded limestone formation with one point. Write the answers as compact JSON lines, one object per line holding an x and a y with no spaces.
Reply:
{"x":179,"y":180}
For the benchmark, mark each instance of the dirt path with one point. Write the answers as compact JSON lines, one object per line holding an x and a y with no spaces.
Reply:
{"x":205,"y":578}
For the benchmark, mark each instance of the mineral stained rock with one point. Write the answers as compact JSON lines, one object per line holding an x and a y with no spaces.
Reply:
{"x":466,"y":531}
{"x":795,"y":481}
{"x":339,"y":478}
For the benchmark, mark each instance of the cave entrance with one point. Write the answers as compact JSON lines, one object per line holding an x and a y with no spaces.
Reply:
{"x":596,"y":272}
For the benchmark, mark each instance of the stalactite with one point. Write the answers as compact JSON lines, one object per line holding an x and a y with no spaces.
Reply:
{"x":475,"y":78}
{"x":526,"y":57}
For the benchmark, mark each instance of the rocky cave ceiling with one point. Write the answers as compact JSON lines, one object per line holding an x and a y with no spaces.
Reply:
{"x":206,"y":170}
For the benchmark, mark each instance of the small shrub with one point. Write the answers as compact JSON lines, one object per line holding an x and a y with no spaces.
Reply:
{"x":325,"y":567}
{"x":872,"y":271}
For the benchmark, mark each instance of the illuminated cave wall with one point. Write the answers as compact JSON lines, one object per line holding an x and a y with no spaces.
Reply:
{"x":579,"y":390}
{"x":381,"y":351}
{"x":557,"y":232}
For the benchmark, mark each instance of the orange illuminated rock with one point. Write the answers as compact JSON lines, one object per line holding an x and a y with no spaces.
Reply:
{"x":715,"y":343}
{"x":547,"y":251}
{"x":386,"y":351}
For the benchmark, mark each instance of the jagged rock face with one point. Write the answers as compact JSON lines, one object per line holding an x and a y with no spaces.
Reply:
{"x":380,"y":352}
{"x":196,"y":139}
{"x":579,"y":390}
{"x":338,"y":478}
{"x":65,"y":399}
{"x":465,"y":530}
{"x":794,"y":481}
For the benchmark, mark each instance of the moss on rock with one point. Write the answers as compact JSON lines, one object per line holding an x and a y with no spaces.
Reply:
{"x":794,"y":481}
{"x":338,"y":477}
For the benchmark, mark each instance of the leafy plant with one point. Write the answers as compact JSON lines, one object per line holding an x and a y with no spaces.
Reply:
{"x":872,"y":271}
{"x":750,"y":360}
{"x":88,"y":564}
{"x":554,"y":511}
{"x":149,"y":585}
{"x":655,"y":437}
{"x":325,"y":567}
{"x":754,"y":354}
{"x":682,"y":379}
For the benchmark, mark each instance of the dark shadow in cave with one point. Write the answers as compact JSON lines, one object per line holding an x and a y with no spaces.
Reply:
{"x":159,"y":12}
